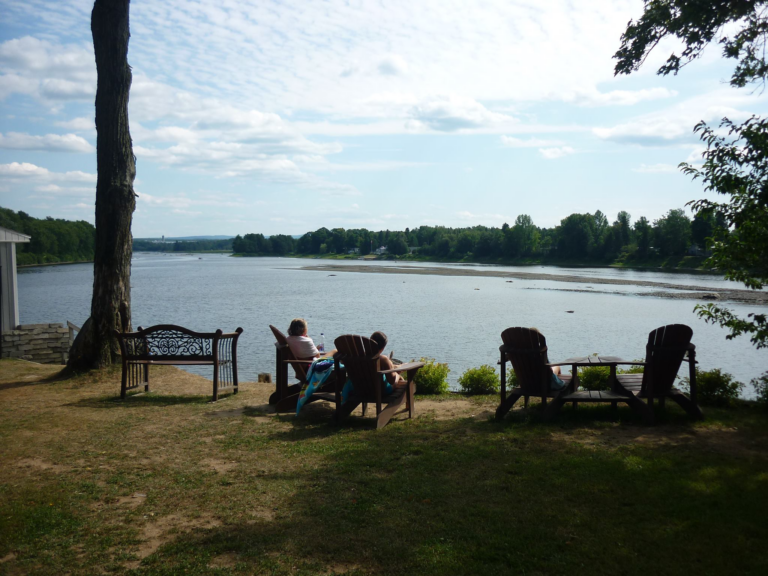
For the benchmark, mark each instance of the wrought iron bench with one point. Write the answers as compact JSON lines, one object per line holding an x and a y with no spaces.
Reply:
{"x":166,"y":344}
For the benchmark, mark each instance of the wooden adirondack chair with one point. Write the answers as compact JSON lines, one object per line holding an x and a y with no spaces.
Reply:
{"x":526,"y":350}
{"x":667,"y":348}
{"x":285,"y":397}
{"x":358,"y":359}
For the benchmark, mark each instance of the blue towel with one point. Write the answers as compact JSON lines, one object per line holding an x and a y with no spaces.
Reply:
{"x":317,"y":375}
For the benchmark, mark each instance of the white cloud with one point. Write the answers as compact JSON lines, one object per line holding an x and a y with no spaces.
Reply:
{"x":452,"y":113}
{"x":32,"y":172}
{"x":511,"y":142}
{"x":482,"y":218}
{"x":48,"y":143}
{"x":557,"y":152}
{"x":393,"y":65}
{"x":657,"y":168}
{"x":81,"y":124}
{"x":594,"y":98}
{"x":674,"y":126}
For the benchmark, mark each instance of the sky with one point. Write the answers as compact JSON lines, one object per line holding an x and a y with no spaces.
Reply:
{"x":258,"y":116}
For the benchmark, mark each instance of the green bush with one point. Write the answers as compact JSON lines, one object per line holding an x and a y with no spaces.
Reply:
{"x":760,"y":384}
{"x":511,"y":378}
{"x":595,"y":377}
{"x":482,"y":380}
{"x":432,"y":377}
{"x":715,"y":387}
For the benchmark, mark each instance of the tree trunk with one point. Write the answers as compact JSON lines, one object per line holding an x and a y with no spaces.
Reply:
{"x":115,"y":199}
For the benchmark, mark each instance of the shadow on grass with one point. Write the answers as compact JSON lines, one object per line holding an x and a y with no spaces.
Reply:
{"x":139,"y":400}
{"x":52,"y":378}
{"x":484,"y":497}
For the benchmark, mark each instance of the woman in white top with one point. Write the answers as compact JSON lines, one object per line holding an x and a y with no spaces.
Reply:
{"x":300,"y":344}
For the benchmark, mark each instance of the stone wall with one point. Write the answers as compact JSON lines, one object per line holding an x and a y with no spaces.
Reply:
{"x":44,"y":343}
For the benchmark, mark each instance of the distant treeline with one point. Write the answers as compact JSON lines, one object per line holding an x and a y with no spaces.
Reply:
{"x":579,"y":237}
{"x":182,"y":245}
{"x":53,"y":240}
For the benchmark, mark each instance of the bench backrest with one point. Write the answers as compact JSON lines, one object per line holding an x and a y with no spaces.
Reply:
{"x":168,"y":342}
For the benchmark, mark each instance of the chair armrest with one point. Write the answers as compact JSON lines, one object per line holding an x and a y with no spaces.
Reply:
{"x":402,"y":368}
{"x":298,"y":361}
{"x":632,"y":363}
{"x":553,"y":364}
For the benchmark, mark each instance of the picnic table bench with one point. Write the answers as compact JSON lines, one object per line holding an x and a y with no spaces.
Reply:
{"x":167,"y":344}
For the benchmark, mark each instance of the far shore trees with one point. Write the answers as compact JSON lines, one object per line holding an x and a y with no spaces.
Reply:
{"x":115,"y":199}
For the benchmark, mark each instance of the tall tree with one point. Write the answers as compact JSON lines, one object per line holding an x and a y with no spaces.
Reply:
{"x":115,"y":198}
{"x":735,"y":164}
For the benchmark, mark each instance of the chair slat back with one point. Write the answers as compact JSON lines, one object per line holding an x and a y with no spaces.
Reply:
{"x":299,"y":369}
{"x":527,"y":351}
{"x":664,"y":354}
{"x":360,"y":356}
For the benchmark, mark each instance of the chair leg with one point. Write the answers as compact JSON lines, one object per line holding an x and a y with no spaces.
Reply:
{"x":411,"y":398}
{"x":365,"y":406}
{"x":386,"y":414}
{"x":553,"y":407}
{"x":645,"y":410}
{"x":346,"y":409}
{"x":287,"y":404}
{"x":507,"y":403}
{"x":688,"y":405}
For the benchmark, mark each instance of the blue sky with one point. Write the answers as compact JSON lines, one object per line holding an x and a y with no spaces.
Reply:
{"x":281,"y":117}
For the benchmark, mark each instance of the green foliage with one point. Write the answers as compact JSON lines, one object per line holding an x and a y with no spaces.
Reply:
{"x":595,"y":377}
{"x":760,"y":384}
{"x":53,"y":240}
{"x":715,"y":387}
{"x":432,"y":377}
{"x":482,"y":380}
{"x":511,"y":378}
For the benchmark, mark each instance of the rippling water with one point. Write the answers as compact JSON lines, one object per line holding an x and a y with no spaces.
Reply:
{"x":456,"y":319}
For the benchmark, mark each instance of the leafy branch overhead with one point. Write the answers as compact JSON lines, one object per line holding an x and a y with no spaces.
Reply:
{"x":736,"y":160}
{"x":697,"y":23}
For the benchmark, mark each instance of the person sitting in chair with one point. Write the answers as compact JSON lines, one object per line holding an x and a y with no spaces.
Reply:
{"x":385,"y":362}
{"x":300,"y":344}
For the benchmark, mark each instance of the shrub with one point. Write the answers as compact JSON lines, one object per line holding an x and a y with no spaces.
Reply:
{"x":595,"y":377}
{"x":482,"y":380}
{"x":511,"y":378}
{"x":760,"y":384}
{"x":715,"y":387}
{"x":432,"y":377}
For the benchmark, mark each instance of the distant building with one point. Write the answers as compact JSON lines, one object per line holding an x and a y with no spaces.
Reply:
{"x":354,"y":251}
{"x":412,"y":249}
{"x":380,"y":250}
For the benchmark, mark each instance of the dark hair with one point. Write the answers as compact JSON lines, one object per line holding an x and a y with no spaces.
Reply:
{"x":297,"y":327}
{"x":380,"y":338}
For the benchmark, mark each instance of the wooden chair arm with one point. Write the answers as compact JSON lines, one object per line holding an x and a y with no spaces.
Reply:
{"x":402,"y":368}
{"x":298,"y":361}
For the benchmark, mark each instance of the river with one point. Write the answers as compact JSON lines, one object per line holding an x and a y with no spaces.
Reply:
{"x":454,"y":318}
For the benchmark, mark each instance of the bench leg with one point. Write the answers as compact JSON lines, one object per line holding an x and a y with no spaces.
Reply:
{"x":146,"y":377}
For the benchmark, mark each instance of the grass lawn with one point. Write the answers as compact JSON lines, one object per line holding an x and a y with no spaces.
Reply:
{"x":169,"y":483}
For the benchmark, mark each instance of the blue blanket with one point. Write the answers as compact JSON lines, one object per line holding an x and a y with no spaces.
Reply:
{"x":317,"y":375}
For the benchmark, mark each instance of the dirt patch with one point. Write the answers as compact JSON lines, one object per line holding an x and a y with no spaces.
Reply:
{"x":38,"y":464}
{"x":161,"y":531}
{"x":226,"y":560}
{"x":133,"y":501}
{"x":221,"y":466}
{"x":7,"y":558}
{"x":450,"y":409}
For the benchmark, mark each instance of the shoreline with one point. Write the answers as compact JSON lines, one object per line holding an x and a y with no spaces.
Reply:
{"x":54,"y":264}
{"x":685,"y":292}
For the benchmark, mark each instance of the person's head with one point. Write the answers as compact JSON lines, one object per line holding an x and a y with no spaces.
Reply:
{"x":380,"y":338}
{"x":298,"y":327}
